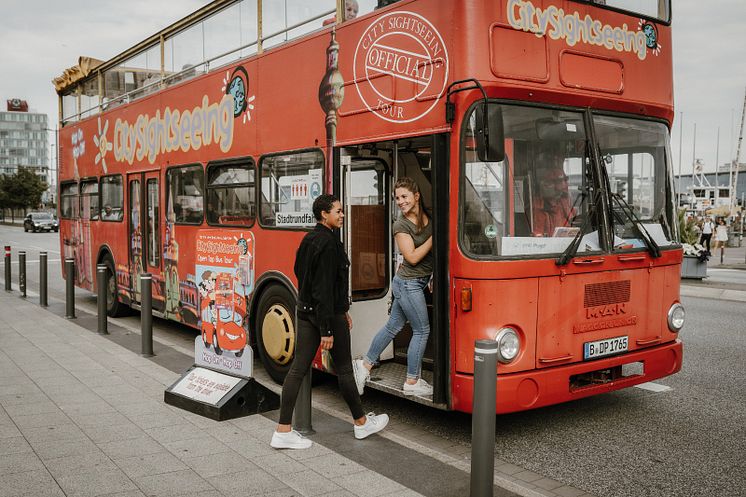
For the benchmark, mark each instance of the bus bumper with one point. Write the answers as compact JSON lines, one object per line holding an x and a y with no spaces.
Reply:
{"x":539,"y":388}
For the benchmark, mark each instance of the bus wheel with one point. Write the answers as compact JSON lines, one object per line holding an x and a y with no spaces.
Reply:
{"x":239,"y":353}
{"x":215,"y":345}
{"x":275,"y":331}
{"x":114,"y":307}
{"x":204,"y":340}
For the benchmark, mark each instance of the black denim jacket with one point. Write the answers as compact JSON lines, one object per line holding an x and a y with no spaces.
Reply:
{"x":322,"y":269}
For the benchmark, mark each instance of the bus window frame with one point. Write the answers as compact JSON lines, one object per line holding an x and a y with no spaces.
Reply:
{"x":250,"y":164}
{"x":91,"y":180}
{"x":167,"y":192}
{"x":259,"y":188}
{"x":77,"y":199}
{"x":462,"y":187}
{"x":665,"y":22}
{"x":101,"y":204}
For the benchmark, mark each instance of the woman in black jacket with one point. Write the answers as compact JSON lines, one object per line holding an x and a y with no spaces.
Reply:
{"x":322,"y":269}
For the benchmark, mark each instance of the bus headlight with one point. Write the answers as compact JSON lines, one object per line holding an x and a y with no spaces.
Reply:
{"x":676,"y":315}
{"x":508,"y":345}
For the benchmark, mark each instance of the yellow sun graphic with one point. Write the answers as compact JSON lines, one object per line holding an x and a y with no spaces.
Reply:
{"x":102,"y":143}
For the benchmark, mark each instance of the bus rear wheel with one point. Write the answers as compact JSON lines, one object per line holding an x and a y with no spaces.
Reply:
{"x":114,"y":307}
{"x":275,"y":331}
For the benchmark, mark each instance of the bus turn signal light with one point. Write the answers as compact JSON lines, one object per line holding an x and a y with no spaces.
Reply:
{"x":466,"y":299}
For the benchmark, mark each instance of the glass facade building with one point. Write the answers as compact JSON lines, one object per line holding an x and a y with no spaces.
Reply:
{"x":24,"y":142}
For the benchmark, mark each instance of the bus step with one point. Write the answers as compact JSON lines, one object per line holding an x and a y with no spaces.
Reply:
{"x":389,"y":377}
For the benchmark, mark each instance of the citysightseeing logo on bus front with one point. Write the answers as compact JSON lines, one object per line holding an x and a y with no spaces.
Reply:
{"x":150,"y":136}
{"x":406,"y":47}
{"x":559,"y":25}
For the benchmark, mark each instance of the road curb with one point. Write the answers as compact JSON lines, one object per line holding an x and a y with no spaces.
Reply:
{"x":713,"y":293}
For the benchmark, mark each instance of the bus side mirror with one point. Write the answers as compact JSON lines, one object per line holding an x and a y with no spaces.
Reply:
{"x":490,"y":134}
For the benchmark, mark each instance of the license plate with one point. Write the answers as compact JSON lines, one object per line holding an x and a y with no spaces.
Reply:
{"x":600,"y":348}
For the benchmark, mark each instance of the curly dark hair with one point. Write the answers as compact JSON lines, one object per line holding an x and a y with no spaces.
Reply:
{"x":323,"y":203}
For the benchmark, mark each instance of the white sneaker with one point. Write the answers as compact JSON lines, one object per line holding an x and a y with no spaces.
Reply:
{"x":289,"y":440}
{"x":421,"y":388}
{"x":373,"y":424}
{"x":361,"y":375}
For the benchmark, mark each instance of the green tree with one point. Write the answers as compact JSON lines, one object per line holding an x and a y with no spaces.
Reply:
{"x":686,"y":228}
{"x":21,"y":190}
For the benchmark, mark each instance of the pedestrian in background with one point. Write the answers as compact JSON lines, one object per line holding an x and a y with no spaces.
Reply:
{"x":721,"y":234}
{"x":322,"y":269}
{"x":707,"y":229}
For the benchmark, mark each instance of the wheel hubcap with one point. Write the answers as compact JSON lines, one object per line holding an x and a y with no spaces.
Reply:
{"x":278,"y":334}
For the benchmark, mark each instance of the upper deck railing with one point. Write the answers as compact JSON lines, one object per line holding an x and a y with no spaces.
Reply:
{"x":218,"y":34}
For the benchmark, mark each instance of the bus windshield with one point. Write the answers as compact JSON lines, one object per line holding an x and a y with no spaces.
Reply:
{"x":635,"y":155}
{"x":539,"y":197}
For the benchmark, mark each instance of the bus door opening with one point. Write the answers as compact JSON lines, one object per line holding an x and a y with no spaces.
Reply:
{"x":369,"y":173}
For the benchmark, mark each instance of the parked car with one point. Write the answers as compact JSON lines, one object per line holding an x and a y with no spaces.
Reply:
{"x":40,"y":221}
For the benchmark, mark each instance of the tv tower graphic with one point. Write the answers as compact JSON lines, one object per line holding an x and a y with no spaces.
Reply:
{"x":331,"y":95}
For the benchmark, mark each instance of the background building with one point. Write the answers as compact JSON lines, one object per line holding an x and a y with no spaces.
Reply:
{"x":23,"y":140}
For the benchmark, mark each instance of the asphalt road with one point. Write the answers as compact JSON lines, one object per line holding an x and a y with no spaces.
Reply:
{"x":688,"y":440}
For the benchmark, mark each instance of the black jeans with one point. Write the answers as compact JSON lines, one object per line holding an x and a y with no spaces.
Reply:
{"x":308,"y":340}
{"x":705,"y":240}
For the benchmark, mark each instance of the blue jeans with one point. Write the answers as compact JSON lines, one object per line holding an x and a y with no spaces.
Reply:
{"x":409,"y":305}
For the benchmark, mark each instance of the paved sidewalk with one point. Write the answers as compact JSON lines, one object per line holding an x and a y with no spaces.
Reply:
{"x":82,"y":416}
{"x":726,"y":281}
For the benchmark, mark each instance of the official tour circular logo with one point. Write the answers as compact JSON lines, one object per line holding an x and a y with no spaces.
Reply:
{"x":400,"y":65}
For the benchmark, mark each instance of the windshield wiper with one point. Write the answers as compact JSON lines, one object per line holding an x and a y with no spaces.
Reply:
{"x":627,"y":210}
{"x":572,"y":249}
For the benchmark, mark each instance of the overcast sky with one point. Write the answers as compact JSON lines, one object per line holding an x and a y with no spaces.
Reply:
{"x":40,"y":38}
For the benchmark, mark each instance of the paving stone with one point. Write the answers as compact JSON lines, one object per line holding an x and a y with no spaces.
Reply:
{"x":176,"y":483}
{"x":30,"y":483}
{"x":60,"y":448}
{"x":92,"y":483}
{"x":94,"y":461}
{"x":57,"y":418}
{"x":174,"y":433}
{"x":547,"y":483}
{"x":278,"y":464}
{"x":9,"y":431}
{"x":368,"y":484}
{"x":83,"y":408}
{"x":509,"y":469}
{"x":42,"y":407}
{"x":150,"y":464}
{"x":309,"y":483}
{"x":253,"y":481}
{"x":20,"y":462}
{"x":111,"y":433}
{"x":250,"y":447}
{"x":193,"y":447}
{"x":131,"y":447}
{"x":99,"y":419}
{"x":218,"y":464}
{"x":156,"y":420}
{"x":14,"y":445}
{"x":53,"y":433}
{"x":332,"y":465}
{"x":527,"y":476}
{"x":568,"y":491}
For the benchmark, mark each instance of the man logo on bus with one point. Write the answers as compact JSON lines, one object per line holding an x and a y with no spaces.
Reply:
{"x":400,"y":67}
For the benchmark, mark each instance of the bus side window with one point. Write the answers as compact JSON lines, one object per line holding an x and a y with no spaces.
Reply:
{"x":185,"y":186}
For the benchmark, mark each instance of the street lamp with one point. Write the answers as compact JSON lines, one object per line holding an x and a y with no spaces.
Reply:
{"x":55,"y":169}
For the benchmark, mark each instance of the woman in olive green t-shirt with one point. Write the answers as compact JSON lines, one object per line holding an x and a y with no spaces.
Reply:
{"x":413,"y":235}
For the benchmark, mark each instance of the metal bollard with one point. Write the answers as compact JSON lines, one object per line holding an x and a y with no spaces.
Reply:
{"x":483,"y":419}
{"x":43,"y":279}
{"x":70,"y":288}
{"x":7,"y":269}
{"x":103,"y":322}
{"x":146,"y":314}
{"x":22,"y":272}
{"x":302,"y":413}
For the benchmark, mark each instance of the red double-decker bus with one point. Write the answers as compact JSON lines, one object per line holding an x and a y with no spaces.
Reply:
{"x":537,"y":130}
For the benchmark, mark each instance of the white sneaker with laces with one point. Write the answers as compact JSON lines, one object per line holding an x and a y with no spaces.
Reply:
{"x":361,"y":374}
{"x":421,"y":388}
{"x":289,"y":440}
{"x":373,"y":424}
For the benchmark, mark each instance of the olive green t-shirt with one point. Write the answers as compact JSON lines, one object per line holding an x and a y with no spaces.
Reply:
{"x":425,"y":267}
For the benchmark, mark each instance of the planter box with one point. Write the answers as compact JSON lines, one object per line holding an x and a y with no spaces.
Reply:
{"x":691,"y":267}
